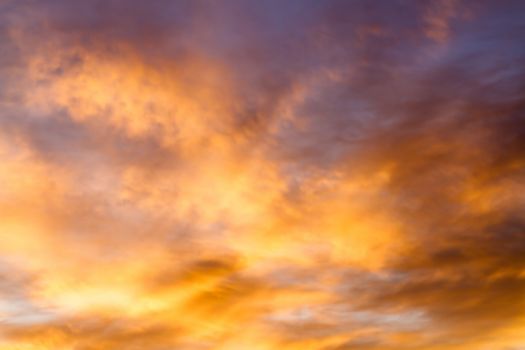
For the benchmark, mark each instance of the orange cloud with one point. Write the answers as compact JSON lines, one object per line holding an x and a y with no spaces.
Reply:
{"x":218,"y":181}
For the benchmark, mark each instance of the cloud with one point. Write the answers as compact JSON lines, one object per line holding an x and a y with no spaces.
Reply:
{"x":244,"y":174}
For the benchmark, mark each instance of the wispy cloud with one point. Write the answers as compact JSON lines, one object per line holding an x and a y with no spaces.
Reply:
{"x":262,"y":175}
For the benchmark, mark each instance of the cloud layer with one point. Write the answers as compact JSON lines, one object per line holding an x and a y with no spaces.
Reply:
{"x":262,"y":175}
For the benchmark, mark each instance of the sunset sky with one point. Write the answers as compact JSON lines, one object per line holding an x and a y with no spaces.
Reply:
{"x":262,"y":175}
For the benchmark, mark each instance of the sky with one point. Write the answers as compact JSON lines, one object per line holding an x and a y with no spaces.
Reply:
{"x":262,"y":175}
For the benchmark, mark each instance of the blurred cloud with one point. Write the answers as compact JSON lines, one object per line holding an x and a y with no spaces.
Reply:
{"x":262,"y":175}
